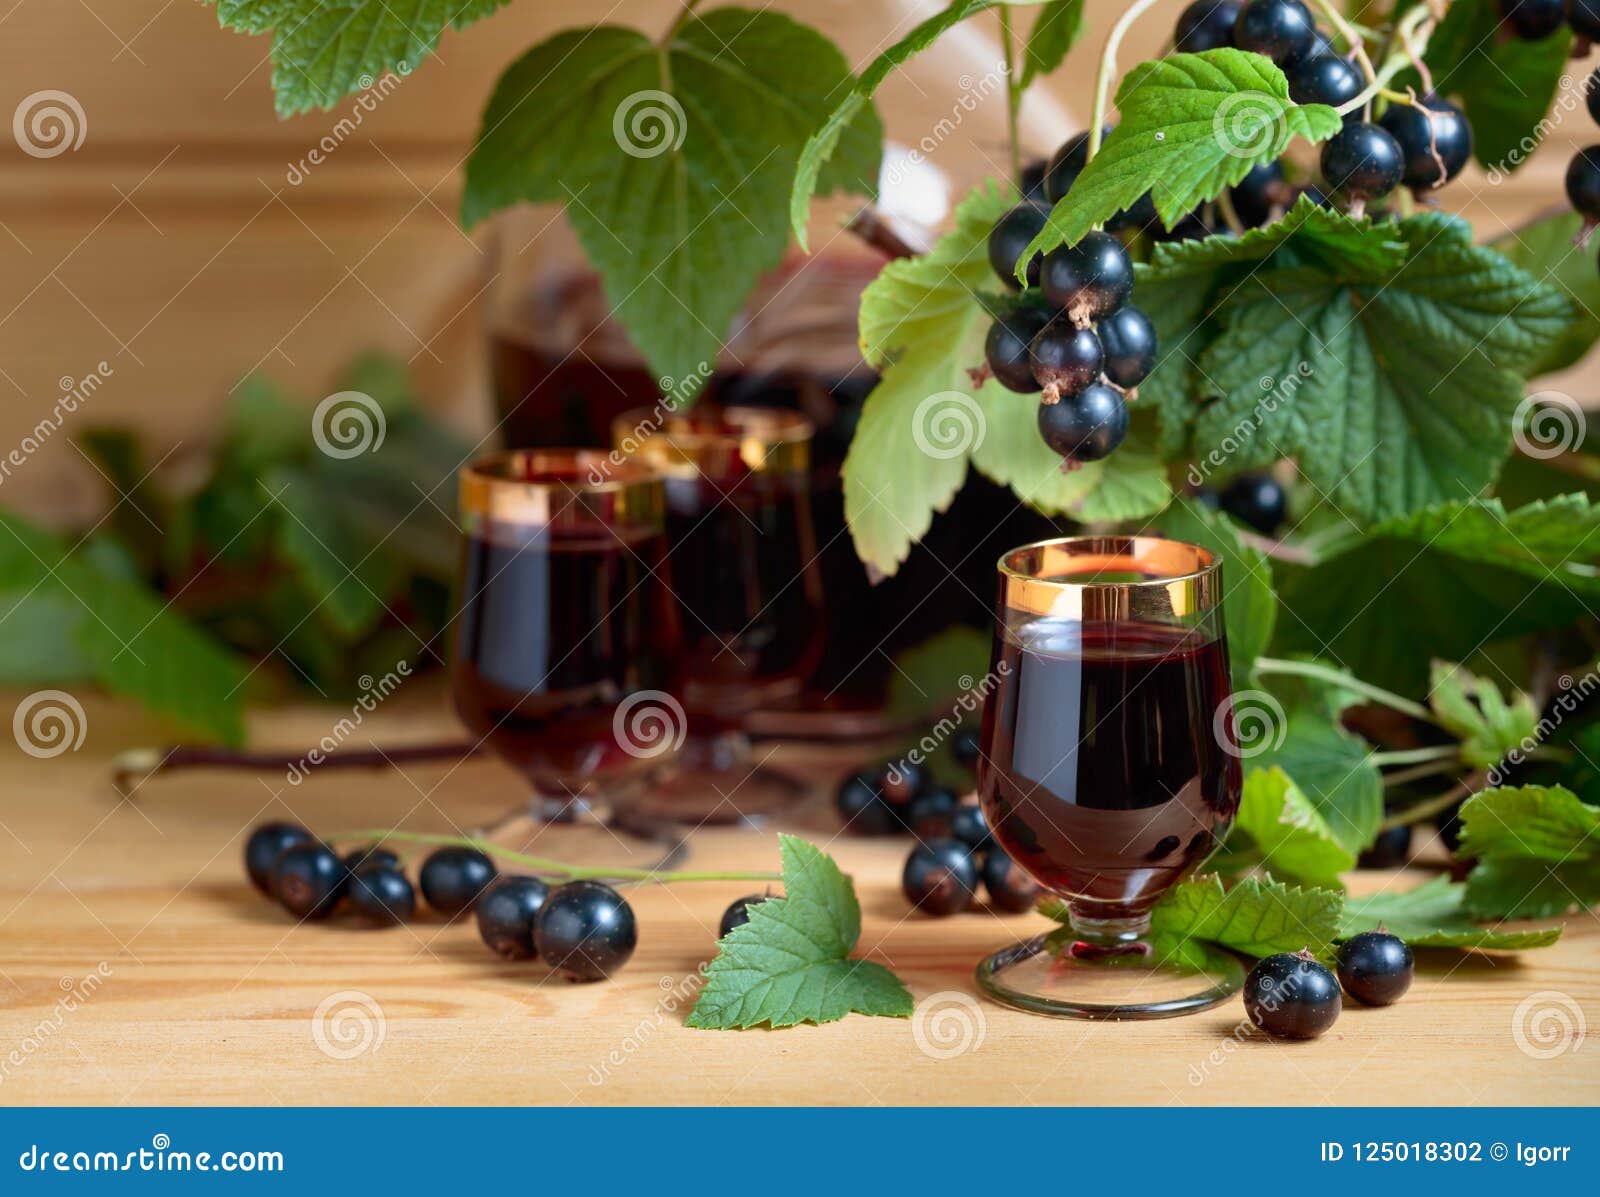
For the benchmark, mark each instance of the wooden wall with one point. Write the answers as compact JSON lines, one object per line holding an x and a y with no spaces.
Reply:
{"x":172,"y":246}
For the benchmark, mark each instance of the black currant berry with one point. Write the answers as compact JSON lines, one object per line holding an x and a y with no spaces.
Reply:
{"x":1066,"y":164}
{"x":1532,"y":20}
{"x":1583,"y":181}
{"x":453,"y":877}
{"x":1362,"y":161}
{"x":1283,"y":30}
{"x":1256,"y":195}
{"x":1009,"y":885}
{"x":1390,"y":850}
{"x":1375,"y":967}
{"x":928,"y":816}
{"x":861,"y":806}
{"x":901,"y":781}
{"x":265,"y":845}
{"x":1592,"y":92}
{"x":967,"y":747}
{"x":1584,"y":17}
{"x":309,"y":880}
{"x":1129,"y":341}
{"x":1010,"y":236}
{"x":1005,"y":349}
{"x":1435,"y":138}
{"x":1206,"y":25}
{"x":1257,"y":501}
{"x":1323,"y":80}
{"x":371,"y":857}
{"x":1141,"y":216}
{"x":585,"y":930}
{"x":1031,"y":184}
{"x":382,"y":896}
{"x":505,"y":913}
{"x":1090,"y":279}
{"x":940,"y":878}
{"x":968,"y":824}
{"x":1065,"y":359}
{"x":1291,"y":996}
{"x":1087,"y":427}
{"x":738,"y":914}
{"x":1192,"y":226}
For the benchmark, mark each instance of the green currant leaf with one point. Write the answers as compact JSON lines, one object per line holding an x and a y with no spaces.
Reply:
{"x":1055,"y":31}
{"x":325,"y":49}
{"x":1191,"y":125}
{"x":1505,"y":84}
{"x":1548,"y":250}
{"x":1473,"y":710}
{"x":1394,"y":389}
{"x":1257,"y":916}
{"x":1250,"y":604}
{"x":1289,"y":832}
{"x":1331,"y":766}
{"x":1442,"y":582}
{"x":1434,"y":915}
{"x":673,"y":162}
{"x":1537,"y":852}
{"x":790,"y":963}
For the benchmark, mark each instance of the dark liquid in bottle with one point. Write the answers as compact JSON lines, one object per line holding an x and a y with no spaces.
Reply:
{"x":1104,"y":777}
{"x":554,"y":630}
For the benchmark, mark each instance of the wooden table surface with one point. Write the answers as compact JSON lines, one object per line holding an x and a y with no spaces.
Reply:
{"x":202,"y":992}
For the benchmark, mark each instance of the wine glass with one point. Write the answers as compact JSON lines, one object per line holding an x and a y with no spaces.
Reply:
{"x":1106,"y":770}
{"x":745,"y":573}
{"x":566,"y":647}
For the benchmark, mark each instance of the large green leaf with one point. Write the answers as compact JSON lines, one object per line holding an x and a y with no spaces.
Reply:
{"x":1474,"y":711}
{"x":673,"y":162}
{"x":1289,"y":832}
{"x":1257,"y":916}
{"x":1190,"y":126}
{"x":1404,"y":380}
{"x":1548,"y":249}
{"x":1434,"y":915}
{"x":1537,"y":852}
{"x":325,"y":49}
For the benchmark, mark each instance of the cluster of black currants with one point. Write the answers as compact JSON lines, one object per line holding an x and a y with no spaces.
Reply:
{"x":584,"y":930}
{"x":1292,"y":996}
{"x":896,"y":797}
{"x":942,"y":874}
{"x":1535,"y":20}
{"x":1583,"y":172}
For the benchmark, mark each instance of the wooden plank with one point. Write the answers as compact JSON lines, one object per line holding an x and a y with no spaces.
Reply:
{"x":208,"y":994}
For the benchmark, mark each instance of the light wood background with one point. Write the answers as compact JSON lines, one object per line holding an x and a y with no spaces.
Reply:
{"x":207,"y":993}
{"x":172,"y":246}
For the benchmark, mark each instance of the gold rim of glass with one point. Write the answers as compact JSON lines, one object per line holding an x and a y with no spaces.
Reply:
{"x":539,"y":487}
{"x":1057,"y":578}
{"x":766,"y":440}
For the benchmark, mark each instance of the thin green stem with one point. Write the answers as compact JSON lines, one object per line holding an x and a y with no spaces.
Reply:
{"x":1433,"y":806}
{"x":1346,"y":681}
{"x":541,"y":864}
{"x":1350,"y":34}
{"x":1412,"y":756}
{"x":1013,"y":94}
{"x":1403,"y":777}
{"x":1108,"y":68}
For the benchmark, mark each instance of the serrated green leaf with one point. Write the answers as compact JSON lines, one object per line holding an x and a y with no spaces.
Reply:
{"x":1258,"y":916}
{"x":347,"y":578}
{"x":1055,"y":31}
{"x":1322,"y":237}
{"x":1548,"y":249}
{"x":325,"y":49}
{"x":1288,"y":831}
{"x":1403,"y":382}
{"x":1505,"y":83}
{"x":1473,"y":710}
{"x":673,"y":162}
{"x":1440,"y":583}
{"x":1433,"y":915}
{"x":1250,"y":605}
{"x":1191,"y":125}
{"x":789,"y":964}
{"x":1537,"y":850}
{"x":1332,"y":767}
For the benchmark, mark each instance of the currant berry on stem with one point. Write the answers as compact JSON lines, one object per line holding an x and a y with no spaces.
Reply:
{"x":1005,"y":349}
{"x":1065,"y":359}
{"x":1532,"y":20}
{"x":1583,"y":183}
{"x":1086,"y":427}
{"x":1362,"y":162}
{"x":1283,"y":30}
{"x":1206,"y":25}
{"x":1088,"y":280}
{"x":1129,"y":341}
{"x":1434,"y":138}
{"x":1011,"y":235}
{"x":1323,"y":79}
{"x":1255,"y":196}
